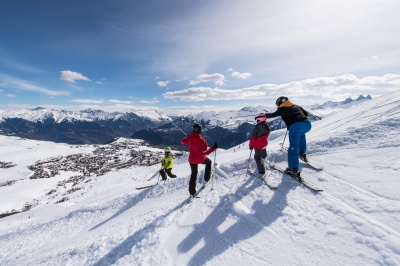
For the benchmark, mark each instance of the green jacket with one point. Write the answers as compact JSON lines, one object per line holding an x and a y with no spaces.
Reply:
{"x":167,"y":162}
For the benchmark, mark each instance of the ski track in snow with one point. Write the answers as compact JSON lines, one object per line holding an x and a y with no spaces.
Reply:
{"x":238,"y":220}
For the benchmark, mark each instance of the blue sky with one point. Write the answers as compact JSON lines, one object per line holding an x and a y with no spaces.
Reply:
{"x":182,"y":56}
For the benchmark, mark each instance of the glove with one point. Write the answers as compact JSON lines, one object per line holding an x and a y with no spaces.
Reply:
{"x":251,"y":148}
{"x":215,"y":145}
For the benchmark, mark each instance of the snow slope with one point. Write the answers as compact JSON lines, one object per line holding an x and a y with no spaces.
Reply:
{"x":354,"y":221}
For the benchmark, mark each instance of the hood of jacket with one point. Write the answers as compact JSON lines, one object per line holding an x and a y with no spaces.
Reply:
{"x":286,"y":104}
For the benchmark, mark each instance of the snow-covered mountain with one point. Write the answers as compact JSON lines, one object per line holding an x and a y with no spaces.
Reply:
{"x":41,"y":114}
{"x":236,"y":221}
{"x":229,"y":128}
{"x":78,"y":127}
{"x":331,"y":107}
{"x":98,"y":127}
{"x":232,"y":127}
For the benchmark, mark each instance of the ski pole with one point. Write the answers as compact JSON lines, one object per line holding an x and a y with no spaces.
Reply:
{"x":284,"y":140}
{"x":178,"y":127}
{"x":214,"y":165}
{"x":248,"y":166}
{"x":318,"y":117}
{"x":159,"y":173}
{"x":241,"y":116}
{"x":251,"y":151}
{"x":170,"y":120}
{"x":155,"y":173}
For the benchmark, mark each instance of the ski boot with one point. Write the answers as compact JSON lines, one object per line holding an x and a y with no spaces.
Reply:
{"x":294,"y":172}
{"x":303,"y":156}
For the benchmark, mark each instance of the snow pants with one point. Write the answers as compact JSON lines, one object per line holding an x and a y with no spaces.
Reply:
{"x":193,"y":176}
{"x":259,"y":155}
{"x":165,"y":172}
{"x":298,"y":143}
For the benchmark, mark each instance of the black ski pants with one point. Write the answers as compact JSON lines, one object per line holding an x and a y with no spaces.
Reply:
{"x":259,"y":156}
{"x":165,"y":172}
{"x":193,"y":176}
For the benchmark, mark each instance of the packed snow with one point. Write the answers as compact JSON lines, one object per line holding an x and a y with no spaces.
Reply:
{"x":237,"y":220}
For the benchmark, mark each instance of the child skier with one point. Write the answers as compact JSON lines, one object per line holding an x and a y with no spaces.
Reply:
{"x":167,"y":164}
{"x":259,"y":141}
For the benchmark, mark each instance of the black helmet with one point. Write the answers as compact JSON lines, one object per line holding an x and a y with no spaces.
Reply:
{"x":197,"y":128}
{"x":281,"y":100}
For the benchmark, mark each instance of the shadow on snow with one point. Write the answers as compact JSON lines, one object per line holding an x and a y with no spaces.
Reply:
{"x":247,"y":225}
{"x":263,"y":214}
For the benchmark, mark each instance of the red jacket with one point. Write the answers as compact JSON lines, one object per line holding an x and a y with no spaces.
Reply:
{"x":259,"y":136}
{"x":197,"y":148}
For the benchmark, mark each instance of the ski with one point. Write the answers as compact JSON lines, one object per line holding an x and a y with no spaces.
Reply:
{"x":196,"y":195}
{"x":304,"y":182}
{"x":150,"y":186}
{"x":146,"y":186}
{"x":312,"y":165}
{"x":263,"y":178}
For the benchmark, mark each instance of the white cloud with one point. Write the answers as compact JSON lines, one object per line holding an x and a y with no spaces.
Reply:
{"x":322,"y":87}
{"x":119,"y":101}
{"x":217,"y":78}
{"x":27,"y":86}
{"x":88,"y":101}
{"x":285,"y":40}
{"x":10,"y":95}
{"x":162,"y":83}
{"x":372,"y":58}
{"x":239,"y":75}
{"x":152,"y":101}
{"x":15,"y":64}
{"x":72,"y":77}
{"x":182,"y":79}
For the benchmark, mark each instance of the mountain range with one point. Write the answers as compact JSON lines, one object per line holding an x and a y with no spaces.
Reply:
{"x":98,"y":127}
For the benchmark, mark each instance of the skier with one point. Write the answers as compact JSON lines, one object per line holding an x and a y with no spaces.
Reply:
{"x":297,"y":123}
{"x":167,"y":164}
{"x":198,"y":149}
{"x":259,"y":142}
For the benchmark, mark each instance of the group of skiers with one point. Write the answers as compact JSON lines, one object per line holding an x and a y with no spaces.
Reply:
{"x":297,"y":124}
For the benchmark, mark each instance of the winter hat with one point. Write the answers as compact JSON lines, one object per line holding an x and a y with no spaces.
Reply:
{"x":167,"y":149}
{"x":197,"y":128}
{"x":281,"y":100}
{"x":261,"y":118}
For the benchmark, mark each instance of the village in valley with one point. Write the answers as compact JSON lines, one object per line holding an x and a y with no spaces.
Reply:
{"x":87,"y":167}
